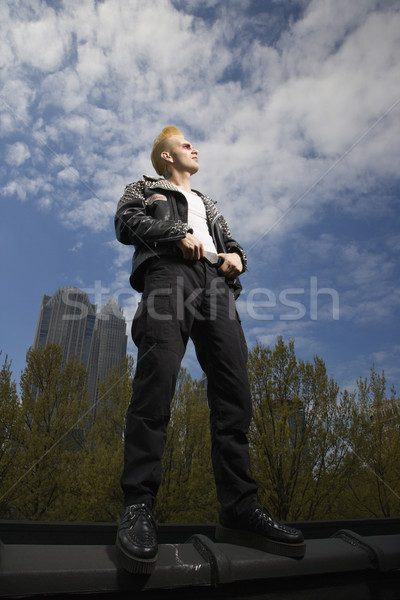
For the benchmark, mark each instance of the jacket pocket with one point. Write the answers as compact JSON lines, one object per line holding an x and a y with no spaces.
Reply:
{"x":159,"y":207}
{"x":155,"y":198}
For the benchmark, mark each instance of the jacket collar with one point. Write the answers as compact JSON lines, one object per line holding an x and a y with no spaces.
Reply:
{"x":161,"y":182}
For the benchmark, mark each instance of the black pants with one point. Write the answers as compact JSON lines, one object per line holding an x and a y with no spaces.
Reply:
{"x":185,"y":299}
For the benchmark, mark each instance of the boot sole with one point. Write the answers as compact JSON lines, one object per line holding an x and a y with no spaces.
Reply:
{"x":253,"y":540}
{"x":133,"y":564}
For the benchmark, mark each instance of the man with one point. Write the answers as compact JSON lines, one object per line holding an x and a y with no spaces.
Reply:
{"x":186,"y":263}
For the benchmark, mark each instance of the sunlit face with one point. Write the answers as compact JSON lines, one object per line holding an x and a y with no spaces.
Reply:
{"x":181,"y":155}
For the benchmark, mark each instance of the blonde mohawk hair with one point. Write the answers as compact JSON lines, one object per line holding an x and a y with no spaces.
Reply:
{"x":155,"y":156}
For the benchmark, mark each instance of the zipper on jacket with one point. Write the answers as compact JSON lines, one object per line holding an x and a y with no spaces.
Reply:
{"x":219,"y":244}
{"x":174,"y":209}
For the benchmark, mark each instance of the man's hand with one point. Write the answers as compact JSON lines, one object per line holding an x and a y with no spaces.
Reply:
{"x":232,"y":265}
{"x":191,"y":247}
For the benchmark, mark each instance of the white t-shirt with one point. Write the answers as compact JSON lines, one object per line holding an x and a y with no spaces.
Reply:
{"x":197,"y":220}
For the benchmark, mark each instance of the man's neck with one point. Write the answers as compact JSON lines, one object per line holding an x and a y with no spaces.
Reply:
{"x":181,"y":180}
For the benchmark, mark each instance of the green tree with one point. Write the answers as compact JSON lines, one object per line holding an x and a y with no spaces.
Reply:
{"x":374,"y":490}
{"x":54,"y":403}
{"x":316,"y":454}
{"x":102,"y":455}
{"x":298,"y":436}
{"x":187,"y":492}
{"x":11,"y":425}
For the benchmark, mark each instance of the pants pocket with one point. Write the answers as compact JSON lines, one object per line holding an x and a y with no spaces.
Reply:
{"x":153,"y":317}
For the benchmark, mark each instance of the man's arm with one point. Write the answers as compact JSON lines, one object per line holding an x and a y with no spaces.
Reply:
{"x":134,"y":226}
{"x":191,"y":247}
{"x":232,"y":265}
{"x":234,"y":251}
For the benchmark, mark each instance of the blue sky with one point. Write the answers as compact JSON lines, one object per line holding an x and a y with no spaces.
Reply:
{"x":294,"y":107}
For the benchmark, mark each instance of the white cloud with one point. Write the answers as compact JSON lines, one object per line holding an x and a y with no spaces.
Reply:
{"x":286,"y":129}
{"x":15,"y":101}
{"x":388,"y":356}
{"x":68,"y":176}
{"x":64,"y":90}
{"x":76,"y":247}
{"x":92,"y":213}
{"x":364,"y":267}
{"x":76,"y":124}
{"x":371,"y":310}
{"x":304,"y":102}
{"x":352,"y":89}
{"x":41,"y":43}
{"x":27,"y":189}
{"x":123,"y":255}
{"x":303,"y":332}
{"x":15,"y":188}
{"x":17,"y":154}
{"x":45,"y":203}
{"x":361,"y":272}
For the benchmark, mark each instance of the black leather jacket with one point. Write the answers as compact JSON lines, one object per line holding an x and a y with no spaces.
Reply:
{"x":152,"y":213}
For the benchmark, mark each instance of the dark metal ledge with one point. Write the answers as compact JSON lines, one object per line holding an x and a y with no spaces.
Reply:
{"x":350,"y":562}
{"x":65,"y":533}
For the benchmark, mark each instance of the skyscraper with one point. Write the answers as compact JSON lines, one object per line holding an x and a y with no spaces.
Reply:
{"x":67,"y":318}
{"x":108,"y":345}
{"x":99,"y":340}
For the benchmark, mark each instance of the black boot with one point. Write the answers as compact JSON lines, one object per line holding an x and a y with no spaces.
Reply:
{"x":257,"y":529}
{"x":136,"y":543}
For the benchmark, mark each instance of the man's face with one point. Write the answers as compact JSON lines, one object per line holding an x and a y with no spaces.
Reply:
{"x":182,"y":154}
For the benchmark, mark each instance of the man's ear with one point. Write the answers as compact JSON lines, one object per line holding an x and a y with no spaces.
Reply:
{"x":166,"y":156}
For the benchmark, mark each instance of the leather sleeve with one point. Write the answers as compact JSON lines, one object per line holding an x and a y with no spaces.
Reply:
{"x":133,"y":224}
{"x":231,"y":244}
